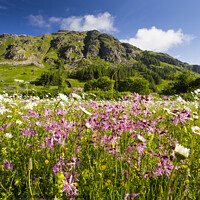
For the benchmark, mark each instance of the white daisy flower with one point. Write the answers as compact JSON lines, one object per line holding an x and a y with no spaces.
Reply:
{"x":8,"y":135}
{"x":196,"y":130}
{"x":75,"y":96}
{"x":19,"y":122}
{"x":181,"y":152}
{"x":140,"y":138}
{"x":88,"y":125}
{"x":85,"y":111}
{"x":63,"y":97}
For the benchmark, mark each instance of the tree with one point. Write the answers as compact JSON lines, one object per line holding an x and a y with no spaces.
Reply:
{"x":138,"y":85}
{"x":105,"y":83}
{"x":90,"y":85}
{"x":182,"y":83}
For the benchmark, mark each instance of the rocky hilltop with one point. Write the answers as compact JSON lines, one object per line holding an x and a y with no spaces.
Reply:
{"x":72,"y":47}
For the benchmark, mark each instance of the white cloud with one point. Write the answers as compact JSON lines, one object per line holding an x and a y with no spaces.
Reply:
{"x":158,"y":40}
{"x":102,"y":22}
{"x":54,"y":19}
{"x":38,"y":20}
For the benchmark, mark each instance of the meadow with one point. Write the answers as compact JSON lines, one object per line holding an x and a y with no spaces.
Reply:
{"x":73,"y":147}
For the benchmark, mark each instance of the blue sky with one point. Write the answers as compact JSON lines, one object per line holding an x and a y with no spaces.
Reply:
{"x":169,"y":26}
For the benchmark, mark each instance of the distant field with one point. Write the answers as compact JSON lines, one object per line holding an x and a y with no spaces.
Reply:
{"x":27,"y":73}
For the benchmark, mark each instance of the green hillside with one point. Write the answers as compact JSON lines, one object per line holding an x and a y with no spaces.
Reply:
{"x":72,"y":58}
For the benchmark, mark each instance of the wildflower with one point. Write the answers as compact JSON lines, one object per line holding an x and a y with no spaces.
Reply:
{"x":16,"y":182}
{"x":18,"y":122}
{"x":76,"y":184}
{"x":196,"y":130}
{"x":85,"y":111}
{"x":197,"y":91}
{"x":17,"y":80}
{"x":29,"y":146}
{"x":103,"y":167}
{"x":30,"y":164}
{"x":109,"y":181}
{"x":63,"y":97}
{"x":123,"y":184}
{"x":140,"y":138}
{"x":46,"y":162}
{"x":130,"y":195}
{"x":88,"y":125}
{"x":8,"y":135}
{"x":80,"y":89}
{"x":75,"y":96}
{"x":181,"y":152}
{"x":7,"y":165}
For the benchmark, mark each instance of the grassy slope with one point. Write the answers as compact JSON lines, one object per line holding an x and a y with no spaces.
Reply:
{"x":9,"y":73}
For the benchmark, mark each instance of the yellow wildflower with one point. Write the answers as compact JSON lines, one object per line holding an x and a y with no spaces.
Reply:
{"x":76,"y":184}
{"x":103,"y":167}
{"x":46,"y":162}
{"x":108,"y":181}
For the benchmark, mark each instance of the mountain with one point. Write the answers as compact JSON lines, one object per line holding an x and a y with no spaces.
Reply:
{"x":80,"y":50}
{"x":72,"y":46}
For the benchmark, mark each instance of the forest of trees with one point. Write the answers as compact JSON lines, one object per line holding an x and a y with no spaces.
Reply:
{"x":143,"y":76}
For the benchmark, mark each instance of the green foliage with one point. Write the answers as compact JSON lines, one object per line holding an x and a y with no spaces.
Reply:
{"x":148,"y":60}
{"x":90,"y":85}
{"x":138,"y":85}
{"x":83,"y":62}
{"x":182,"y":84}
{"x":103,"y":83}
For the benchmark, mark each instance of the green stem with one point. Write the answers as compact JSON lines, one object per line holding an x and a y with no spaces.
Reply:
{"x":169,"y":183}
{"x":192,"y":154}
{"x":29,"y":182}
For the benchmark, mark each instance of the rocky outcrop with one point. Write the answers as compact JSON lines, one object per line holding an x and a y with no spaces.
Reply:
{"x":71,"y":47}
{"x":16,"y":54}
{"x":168,"y":59}
{"x":91,"y":47}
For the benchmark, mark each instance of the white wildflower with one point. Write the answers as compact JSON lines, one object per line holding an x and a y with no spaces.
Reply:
{"x":88,"y":125}
{"x":140,"y":138}
{"x":181,"y":152}
{"x":18,"y":122}
{"x":197,"y":91}
{"x":8,"y":135}
{"x":75,"y":96}
{"x":196,"y":130}
{"x":63,"y":97}
{"x":85,"y":111}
